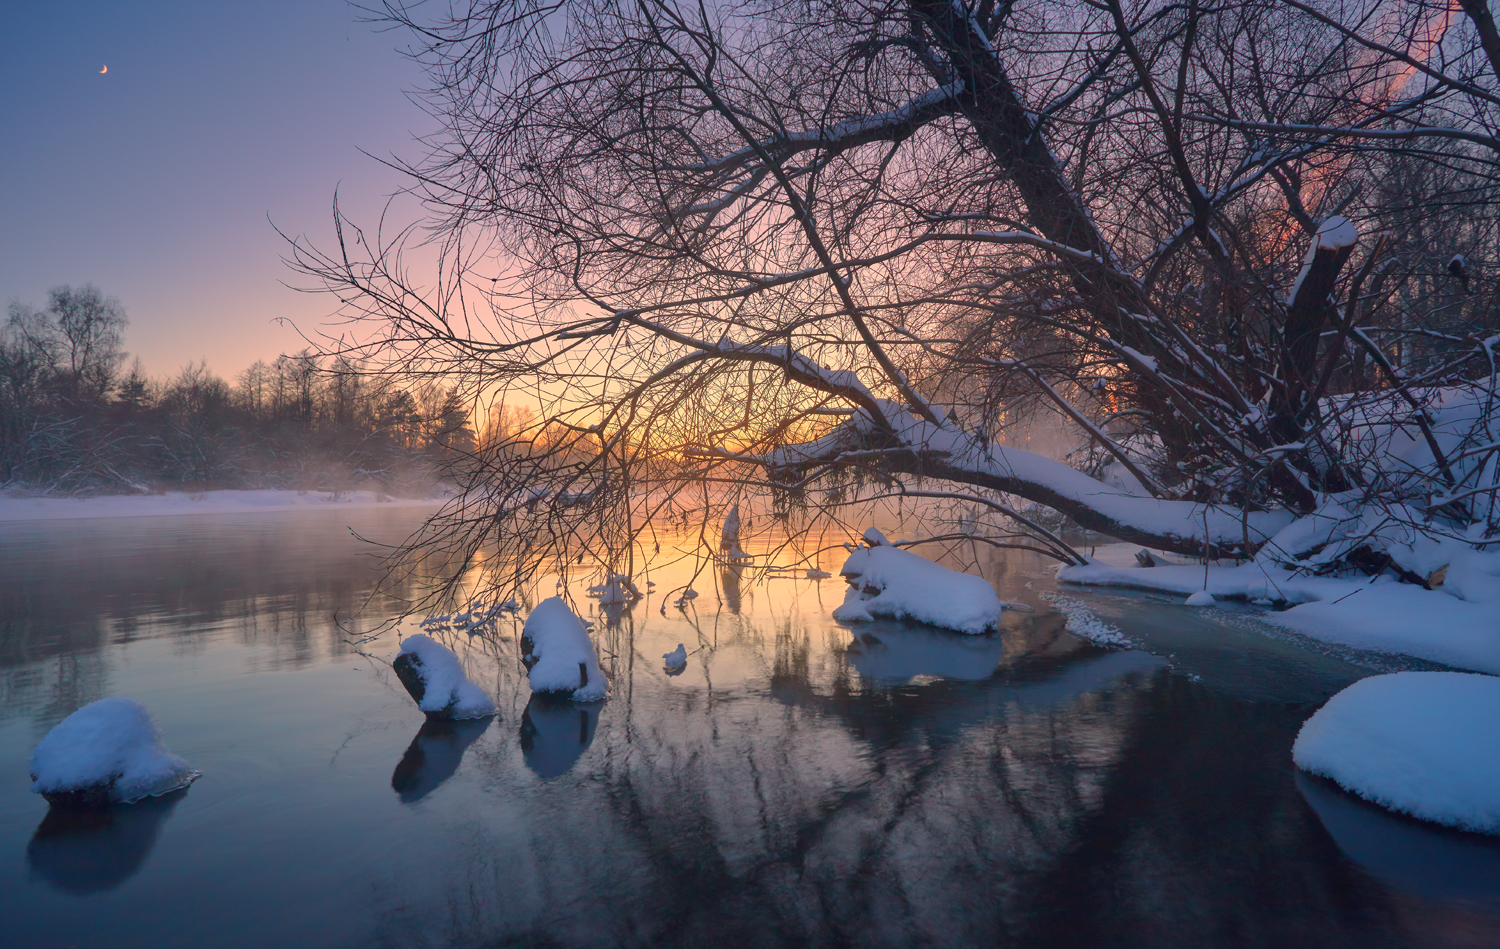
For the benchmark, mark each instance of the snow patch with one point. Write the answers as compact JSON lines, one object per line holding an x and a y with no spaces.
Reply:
{"x":1337,"y":233}
{"x":1084,"y":622}
{"x":111,"y":745}
{"x":617,"y":589}
{"x":1457,"y":624}
{"x":1422,"y":743}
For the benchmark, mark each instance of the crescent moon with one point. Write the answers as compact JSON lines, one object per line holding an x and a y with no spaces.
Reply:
{"x":104,"y":70}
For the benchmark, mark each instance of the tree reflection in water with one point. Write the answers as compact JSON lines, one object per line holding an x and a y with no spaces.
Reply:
{"x":810,"y":809}
{"x":800,"y":783}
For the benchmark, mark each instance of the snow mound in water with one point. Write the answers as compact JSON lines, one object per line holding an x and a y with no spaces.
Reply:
{"x":111,"y":744}
{"x":1201,"y":598}
{"x":889,"y":581}
{"x":557,"y":649}
{"x":1423,"y":743}
{"x":446,"y":690}
{"x":677,"y":658}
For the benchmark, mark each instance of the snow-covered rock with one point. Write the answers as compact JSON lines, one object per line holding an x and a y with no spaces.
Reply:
{"x":1201,"y":598}
{"x":436,"y":680}
{"x":813,"y":573}
{"x":891,"y":582}
{"x":559,"y":654}
{"x":1422,"y":743}
{"x":109,"y":751}
{"x":676,"y":660}
{"x":731,"y":532}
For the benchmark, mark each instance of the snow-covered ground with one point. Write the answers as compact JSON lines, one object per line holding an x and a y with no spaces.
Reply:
{"x":1457,"y":624}
{"x":14,"y":508}
{"x":1422,"y":743}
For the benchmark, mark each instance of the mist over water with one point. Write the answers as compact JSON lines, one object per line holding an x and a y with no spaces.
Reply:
{"x":799,"y":783}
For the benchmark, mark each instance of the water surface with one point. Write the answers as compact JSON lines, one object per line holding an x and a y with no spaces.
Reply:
{"x":798,"y":784}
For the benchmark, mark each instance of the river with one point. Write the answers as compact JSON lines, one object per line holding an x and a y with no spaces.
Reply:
{"x":798,"y":784}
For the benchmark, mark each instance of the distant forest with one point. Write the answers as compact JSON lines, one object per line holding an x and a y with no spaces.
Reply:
{"x":75,"y":420}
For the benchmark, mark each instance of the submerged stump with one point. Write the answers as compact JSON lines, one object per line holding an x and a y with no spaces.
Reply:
{"x":435,"y":679}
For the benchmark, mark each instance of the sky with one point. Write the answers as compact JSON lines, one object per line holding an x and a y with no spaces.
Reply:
{"x":159,"y":181}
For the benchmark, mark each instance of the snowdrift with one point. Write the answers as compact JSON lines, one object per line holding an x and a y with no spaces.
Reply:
{"x":1422,"y":743}
{"x":1455,"y":624}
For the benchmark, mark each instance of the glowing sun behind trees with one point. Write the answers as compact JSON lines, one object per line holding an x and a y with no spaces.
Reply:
{"x":831,"y":252}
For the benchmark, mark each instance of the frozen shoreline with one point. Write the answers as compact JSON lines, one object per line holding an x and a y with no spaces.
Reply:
{"x":1382,"y":616}
{"x":205,"y":502}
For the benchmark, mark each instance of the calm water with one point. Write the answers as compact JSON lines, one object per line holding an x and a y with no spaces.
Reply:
{"x":794,"y":786}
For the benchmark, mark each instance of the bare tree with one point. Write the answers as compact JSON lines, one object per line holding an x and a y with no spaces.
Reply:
{"x":829,"y":251}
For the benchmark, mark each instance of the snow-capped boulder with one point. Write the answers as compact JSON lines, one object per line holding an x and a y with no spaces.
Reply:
{"x":107,"y":752}
{"x":891,"y":582}
{"x":559,"y":655}
{"x":676,"y":660}
{"x":1422,"y":743}
{"x":432,"y":674}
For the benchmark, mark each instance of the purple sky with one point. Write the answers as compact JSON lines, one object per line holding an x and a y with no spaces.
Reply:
{"x":155,"y":181}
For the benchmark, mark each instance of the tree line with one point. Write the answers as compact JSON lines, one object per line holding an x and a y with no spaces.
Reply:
{"x":74,"y":418}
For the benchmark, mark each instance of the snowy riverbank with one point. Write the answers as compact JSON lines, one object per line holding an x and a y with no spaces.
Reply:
{"x":1457,"y":624}
{"x":206,"y":502}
